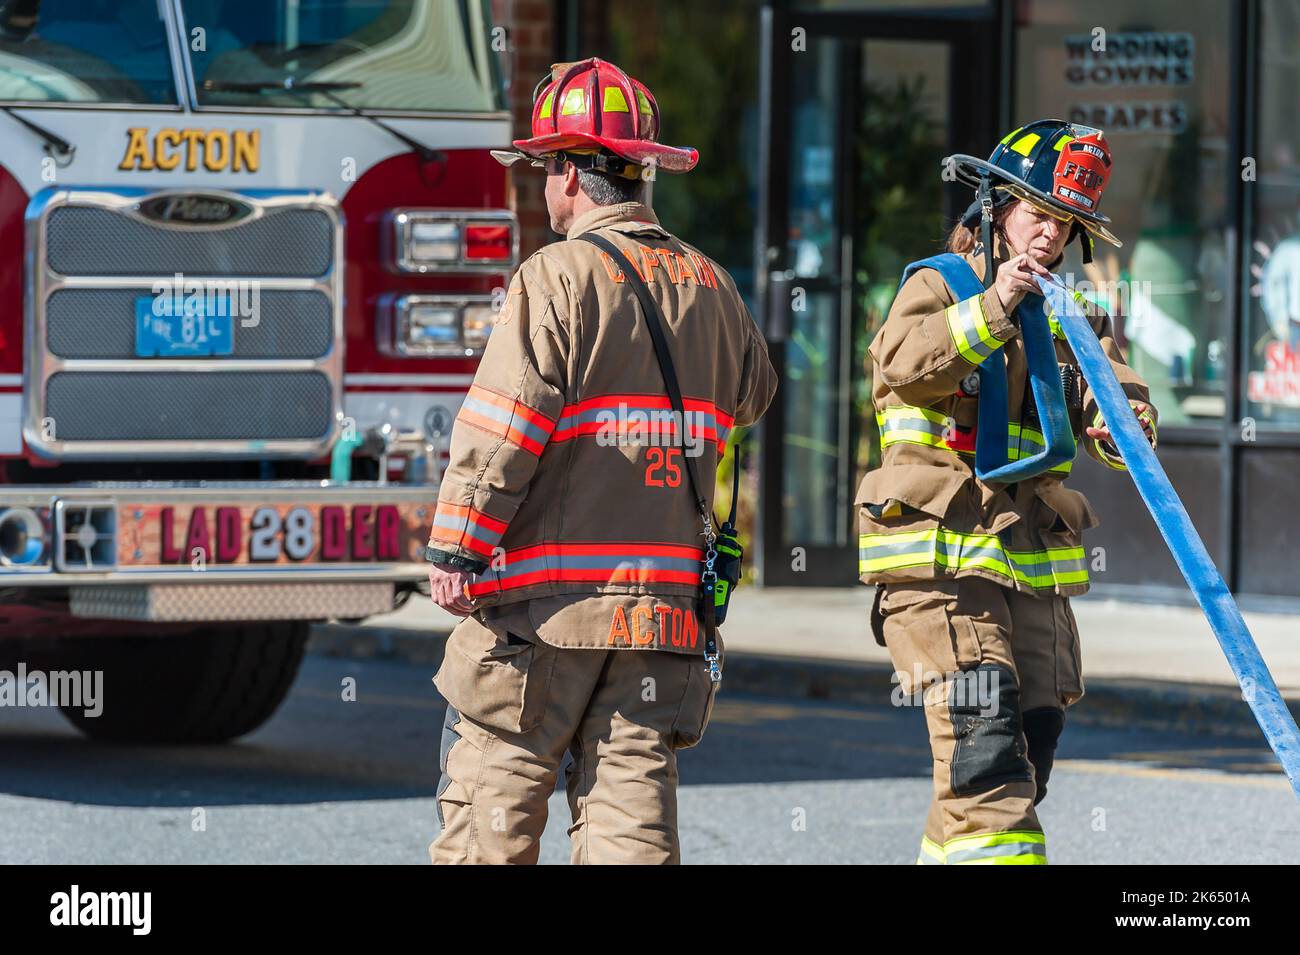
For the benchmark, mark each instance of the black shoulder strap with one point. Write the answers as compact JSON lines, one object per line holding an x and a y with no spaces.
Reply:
{"x":654,"y":323}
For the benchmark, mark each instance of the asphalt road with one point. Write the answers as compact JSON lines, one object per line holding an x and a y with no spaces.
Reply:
{"x":775,"y":780}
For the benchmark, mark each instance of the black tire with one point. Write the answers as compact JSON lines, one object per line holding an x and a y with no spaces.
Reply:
{"x":206,"y":686}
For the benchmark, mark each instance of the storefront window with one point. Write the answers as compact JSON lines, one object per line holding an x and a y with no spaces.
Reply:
{"x":1151,"y":76}
{"x":903,"y":125}
{"x":1272,"y":348}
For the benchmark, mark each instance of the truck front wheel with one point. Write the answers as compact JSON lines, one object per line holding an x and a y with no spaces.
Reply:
{"x":206,"y":686}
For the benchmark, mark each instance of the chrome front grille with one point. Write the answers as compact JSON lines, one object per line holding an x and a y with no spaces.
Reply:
{"x":100,"y":323}
{"x":189,"y":406}
{"x":95,"y":255}
{"x":84,"y":240}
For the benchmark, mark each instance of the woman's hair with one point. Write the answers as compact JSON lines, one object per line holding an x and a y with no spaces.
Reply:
{"x":963,"y":239}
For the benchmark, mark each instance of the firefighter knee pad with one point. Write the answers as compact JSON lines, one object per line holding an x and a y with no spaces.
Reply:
{"x":1042,"y":729}
{"x":449,"y":739}
{"x":984,"y":706}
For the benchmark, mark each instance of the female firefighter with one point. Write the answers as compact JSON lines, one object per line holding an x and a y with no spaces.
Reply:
{"x":974,"y":577}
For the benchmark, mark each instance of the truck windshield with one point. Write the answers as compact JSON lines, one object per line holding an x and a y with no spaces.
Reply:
{"x":418,"y":55}
{"x":84,"y":51}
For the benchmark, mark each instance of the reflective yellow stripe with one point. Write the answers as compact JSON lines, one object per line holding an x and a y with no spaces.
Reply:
{"x":1060,"y":143}
{"x":546,"y":105}
{"x":969,"y":328}
{"x":1054,"y":323}
{"x":575,"y":101}
{"x":1108,"y":459}
{"x":1011,"y":135}
{"x":1014,"y":847}
{"x":910,"y":424}
{"x":1150,"y":419}
{"x":1112,"y":460}
{"x":882,"y":552}
{"x":1025,"y":442}
{"x":954,"y":551}
{"x":931,"y":853}
{"x":615,"y":101}
{"x":643,"y":104}
{"x":1025,"y":144}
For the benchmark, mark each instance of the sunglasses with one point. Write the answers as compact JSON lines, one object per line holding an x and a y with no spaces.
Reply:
{"x":551,"y":164}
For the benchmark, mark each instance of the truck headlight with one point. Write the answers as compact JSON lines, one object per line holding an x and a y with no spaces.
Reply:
{"x":453,"y":240}
{"x":476,"y":325}
{"x":22,"y":539}
{"x":432,"y":243}
{"x":427,"y":326}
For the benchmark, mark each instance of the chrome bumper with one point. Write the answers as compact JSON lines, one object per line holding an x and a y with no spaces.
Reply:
{"x":86,"y":527}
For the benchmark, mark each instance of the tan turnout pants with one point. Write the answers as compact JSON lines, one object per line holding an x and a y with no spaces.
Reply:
{"x":996,"y":669}
{"x":518,"y":704}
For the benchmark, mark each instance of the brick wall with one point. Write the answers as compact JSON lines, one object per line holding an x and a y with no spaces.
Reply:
{"x":532,"y":44}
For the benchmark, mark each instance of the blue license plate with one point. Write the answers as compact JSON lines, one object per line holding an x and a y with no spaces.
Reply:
{"x":202,"y":327}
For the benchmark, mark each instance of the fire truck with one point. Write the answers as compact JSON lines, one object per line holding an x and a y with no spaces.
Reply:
{"x":249,"y":256}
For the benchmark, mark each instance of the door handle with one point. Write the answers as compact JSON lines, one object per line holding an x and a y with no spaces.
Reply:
{"x":778,"y":304}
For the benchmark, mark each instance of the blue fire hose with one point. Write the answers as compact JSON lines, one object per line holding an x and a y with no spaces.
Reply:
{"x":1188,"y":551}
{"x":992,"y":443}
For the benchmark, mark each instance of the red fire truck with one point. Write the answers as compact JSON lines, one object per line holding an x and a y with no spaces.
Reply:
{"x":249,"y":255}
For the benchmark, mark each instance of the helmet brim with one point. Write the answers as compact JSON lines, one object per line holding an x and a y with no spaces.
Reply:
{"x":639,"y":151}
{"x":971,"y":170}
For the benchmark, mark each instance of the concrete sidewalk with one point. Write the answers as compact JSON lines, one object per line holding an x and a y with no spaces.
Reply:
{"x":1143,"y":663}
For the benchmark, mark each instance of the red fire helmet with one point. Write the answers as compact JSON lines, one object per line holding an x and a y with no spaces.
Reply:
{"x":592,"y":105}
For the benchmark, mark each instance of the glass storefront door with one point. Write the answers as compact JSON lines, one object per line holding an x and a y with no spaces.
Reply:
{"x":858,"y":118}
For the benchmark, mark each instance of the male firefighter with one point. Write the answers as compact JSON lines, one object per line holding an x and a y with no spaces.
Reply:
{"x":565,"y":532}
{"x":973,"y":577}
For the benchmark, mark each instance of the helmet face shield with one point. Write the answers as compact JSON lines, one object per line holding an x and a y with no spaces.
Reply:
{"x":1068,"y":219}
{"x":508,"y":157}
{"x":584,"y":159}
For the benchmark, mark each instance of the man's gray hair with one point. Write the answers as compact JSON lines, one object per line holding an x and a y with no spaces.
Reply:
{"x":606,"y":190}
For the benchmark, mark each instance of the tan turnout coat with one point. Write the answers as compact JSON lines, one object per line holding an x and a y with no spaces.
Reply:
{"x":564,"y":482}
{"x":923,"y":514}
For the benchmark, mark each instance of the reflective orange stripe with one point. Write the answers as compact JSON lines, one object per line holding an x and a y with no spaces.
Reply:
{"x":460,"y":525}
{"x":508,"y":418}
{"x":596,"y":415}
{"x":607,"y":563}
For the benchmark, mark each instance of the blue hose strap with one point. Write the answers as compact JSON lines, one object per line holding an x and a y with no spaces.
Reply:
{"x":992,"y":457}
{"x":1258,"y":688}
{"x":991,"y":445}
